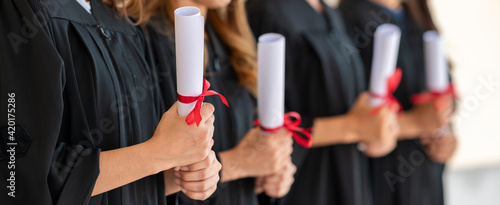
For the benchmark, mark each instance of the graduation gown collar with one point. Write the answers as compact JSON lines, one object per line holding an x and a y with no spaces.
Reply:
{"x":102,"y":15}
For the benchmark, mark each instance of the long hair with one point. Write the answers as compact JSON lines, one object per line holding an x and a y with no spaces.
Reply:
{"x":230,"y":23}
{"x":419,"y":10}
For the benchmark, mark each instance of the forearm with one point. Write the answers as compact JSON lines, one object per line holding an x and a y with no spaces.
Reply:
{"x":231,"y":170}
{"x":409,"y":128}
{"x":333,"y":130}
{"x":169,"y":179}
{"x":125,"y":165}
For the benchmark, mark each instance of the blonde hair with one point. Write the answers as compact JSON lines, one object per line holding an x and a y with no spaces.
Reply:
{"x":230,"y":23}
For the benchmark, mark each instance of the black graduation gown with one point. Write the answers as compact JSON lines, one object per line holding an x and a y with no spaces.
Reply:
{"x":407,"y":176}
{"x":83,"y":84}
{"x":231,"y":124}
{"x":324,"y":75}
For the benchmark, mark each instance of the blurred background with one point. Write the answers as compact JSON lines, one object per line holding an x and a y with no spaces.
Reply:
{"x":472,"y":33}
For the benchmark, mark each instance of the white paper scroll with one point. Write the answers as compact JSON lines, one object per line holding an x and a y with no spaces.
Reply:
{"x":436,"y":67}
{"x":385,"y":56}
{"x":189,"y":48}
{"x":271,"y":79}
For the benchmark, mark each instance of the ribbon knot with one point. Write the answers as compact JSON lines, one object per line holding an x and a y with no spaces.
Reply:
{"x":291,"y":122}
{"x":195,"y":114}
{"x":392,"y":84}
{"x":433,"y":95}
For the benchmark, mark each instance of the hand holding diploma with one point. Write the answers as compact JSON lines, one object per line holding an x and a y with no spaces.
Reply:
{"x":197,"y":179}
{"x":433,"y":109}
{"x":384,"y":80}
{"x":265,"y":152}
{"x":271,"y":90}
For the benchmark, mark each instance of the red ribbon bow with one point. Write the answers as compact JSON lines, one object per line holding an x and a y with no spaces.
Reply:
{"x":195,"y":115}
{"x":392,"y":84}
{"x":292,"y":126}
{"x":433,"y":95}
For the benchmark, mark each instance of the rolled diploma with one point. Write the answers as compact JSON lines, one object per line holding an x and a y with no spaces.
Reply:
{"x":189,"y":48}
{"x":271,"y":79}
{"x":436,"y":67}
{"x":385,"y":56}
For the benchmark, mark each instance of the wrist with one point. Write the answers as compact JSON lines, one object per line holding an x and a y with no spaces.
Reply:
{"x":231,"y":167}
{"x":409,"y":125}
{"x":351,"y":132}
{"x":156,"y":162}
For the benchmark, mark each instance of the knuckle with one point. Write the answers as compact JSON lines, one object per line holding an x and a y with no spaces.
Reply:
{"x":275,"y":167}
{"x":202,"y":175}
{"x":293,"y":169}
{"x":209,"y":107}
{"x":218,"y":166}
{"x":205,"y":195}
{"x":200,"y":156}
{"x":207,"y":162}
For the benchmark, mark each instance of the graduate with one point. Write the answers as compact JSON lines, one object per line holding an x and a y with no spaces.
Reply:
{"x":325,"y":84}
{"x":412,"y":173}
{"x":87,"y":121}
{"x":231,"y":66}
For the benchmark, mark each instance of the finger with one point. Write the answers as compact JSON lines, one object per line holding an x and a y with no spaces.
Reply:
{"x":201,"y":165}
{"x":284,"y":159}
{"x":425,"y":141}
{"x":379,"y":149}
{"x":274,"y":178}
{"x":174,"y":108}
{"x":199,"y":186}
{"x":365,"y":96}
{"x":278,"y":190}
{"x":283,"y":133}
{"x":206,"y":110}
{"x":258,"y":190}
{"x":202,"y":174}
{"x":259,"y":181}
{"x":199,"y":195}
{"x":210,"y":120}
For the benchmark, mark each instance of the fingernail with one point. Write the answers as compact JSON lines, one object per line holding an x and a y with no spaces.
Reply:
{"x":184,"y":168}
{"x":177,"y":174}
{"x":177,"y":181}
{"x":362,"y":147}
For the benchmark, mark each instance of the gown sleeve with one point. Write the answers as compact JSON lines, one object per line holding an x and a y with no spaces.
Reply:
{"x":46,"y":169}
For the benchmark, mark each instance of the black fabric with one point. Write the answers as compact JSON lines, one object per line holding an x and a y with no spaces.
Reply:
{"x":231,"y":123}
{"x":22,"y":140}
{"x":393,"y":181}
{"x":83,"y":84}
{"x":324,"y":75}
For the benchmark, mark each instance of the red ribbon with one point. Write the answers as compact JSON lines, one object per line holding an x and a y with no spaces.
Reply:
{"x":392,"y":84}
{"x":432,"y":95}
{"x":293,"y":126}
{"x":195,"y":114}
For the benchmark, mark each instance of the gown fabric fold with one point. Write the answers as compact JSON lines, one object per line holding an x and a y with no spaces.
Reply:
{"x":324,"y":75}
{"x":407,"y":176}
{"x":84,"y":84}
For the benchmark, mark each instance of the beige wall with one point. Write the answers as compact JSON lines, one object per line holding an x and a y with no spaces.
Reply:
{"x":472,"y":30}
